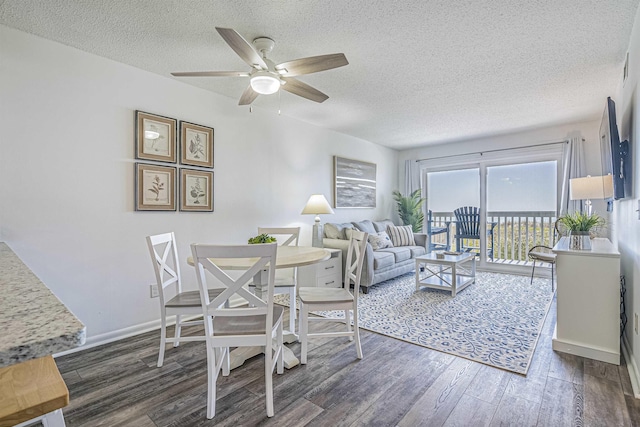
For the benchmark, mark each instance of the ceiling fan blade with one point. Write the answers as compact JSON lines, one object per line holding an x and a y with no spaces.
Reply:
{"x":248,"y":96}
{"x":312,"y":64}
{"x":242,"y":47}
{"x":299,"y":88}
{"x":211,"y":74}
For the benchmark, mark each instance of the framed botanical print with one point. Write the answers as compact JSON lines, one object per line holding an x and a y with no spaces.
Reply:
{"x":196,"y":190}
{"x":355,"y":183}
{"x":155,"y":187}
{"x":155,"y":137}
{"x":196,"y":145}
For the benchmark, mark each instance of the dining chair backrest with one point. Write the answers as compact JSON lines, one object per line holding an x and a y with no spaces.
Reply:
{"x":286,"y":236}
{"x":355,"y":260}
{"x":164,"y":256}
{"x":211,"y":259}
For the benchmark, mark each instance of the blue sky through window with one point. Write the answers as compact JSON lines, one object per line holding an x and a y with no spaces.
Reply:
{"x":522,"y":187}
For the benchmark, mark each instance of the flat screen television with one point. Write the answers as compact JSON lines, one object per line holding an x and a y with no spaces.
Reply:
{"x":616,"y":159}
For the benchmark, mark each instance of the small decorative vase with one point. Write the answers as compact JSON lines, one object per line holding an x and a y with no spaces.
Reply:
{"x":579,"y":240}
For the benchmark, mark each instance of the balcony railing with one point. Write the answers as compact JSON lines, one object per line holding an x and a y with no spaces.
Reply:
{"x":514,"y":234}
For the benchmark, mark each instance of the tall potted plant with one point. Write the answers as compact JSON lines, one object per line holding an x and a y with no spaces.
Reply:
{"x":580,"y":225}
{"x":410,"y":209}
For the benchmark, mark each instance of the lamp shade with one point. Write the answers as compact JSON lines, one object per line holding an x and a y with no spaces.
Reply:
{"x":264,"y":83}
{"x":591,"y":187}
{"x":316,"y":205}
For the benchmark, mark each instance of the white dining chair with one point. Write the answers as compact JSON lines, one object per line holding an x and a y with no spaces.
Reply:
{"x":286,"y":278}
{"x":173,"y":300}
{"x":320,"y":299}
{"x":256,"y":325}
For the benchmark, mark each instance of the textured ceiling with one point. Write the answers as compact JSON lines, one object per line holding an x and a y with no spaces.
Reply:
{"x":421,"y":72}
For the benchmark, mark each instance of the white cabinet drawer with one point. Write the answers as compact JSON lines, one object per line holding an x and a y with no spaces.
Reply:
{"x":325,"y":274}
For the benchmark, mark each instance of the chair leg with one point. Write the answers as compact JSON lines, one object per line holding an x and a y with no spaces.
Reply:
{"x":178,"y":330}
{"x":292,"y":310}
{"x":347,"y":318}
{"x":552,"y":285}
{"x":212,"y":377}
{"x":356,"y":332}
{"x":280,"y":341}
{"x":163,"y":339}
{"x":303,"y":325}
{"x":533,"y":270}
{"x":268,"y":378}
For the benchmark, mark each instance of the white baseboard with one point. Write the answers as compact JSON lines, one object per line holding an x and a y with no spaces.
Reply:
{"x":112,"y":336}
{"x":631,"y":367}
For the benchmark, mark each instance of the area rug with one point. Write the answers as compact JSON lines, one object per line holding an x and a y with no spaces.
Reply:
{"x":496,"y":321}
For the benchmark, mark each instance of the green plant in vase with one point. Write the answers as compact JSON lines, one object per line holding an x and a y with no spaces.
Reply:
{"x":410,"y":209}
{"x":580,"y":226}
{"x":262,"y":238}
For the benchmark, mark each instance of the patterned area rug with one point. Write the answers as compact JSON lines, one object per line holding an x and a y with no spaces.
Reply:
{"x":495,"y":321}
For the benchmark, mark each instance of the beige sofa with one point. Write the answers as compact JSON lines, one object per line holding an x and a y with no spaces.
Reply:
{"x":381,"y":264}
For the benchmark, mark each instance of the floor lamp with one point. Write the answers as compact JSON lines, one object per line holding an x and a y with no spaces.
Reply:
{"x":591,"y":188}
{"x":317,"y":205}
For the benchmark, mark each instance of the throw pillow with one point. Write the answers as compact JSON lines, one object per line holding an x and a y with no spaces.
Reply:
{"x":336,"y":231}
{"x":366,"y":226}
{"x":402,"y":235}
{"x":380,"y":240}
{"x":382,"y":225}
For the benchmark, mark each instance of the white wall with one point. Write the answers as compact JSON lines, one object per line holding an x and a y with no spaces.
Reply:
{"x":628,"y":235}
{"x":67,"y":175}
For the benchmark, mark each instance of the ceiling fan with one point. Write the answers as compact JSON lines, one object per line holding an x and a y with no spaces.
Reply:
{"x":266,"y":77}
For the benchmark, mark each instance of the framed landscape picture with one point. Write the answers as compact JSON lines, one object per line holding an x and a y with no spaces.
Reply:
{"x":155,"y":187}
{"x":355,"y":183}
{"x":155,"y":137}
{"x":196,"y":145}
{"x":196,"y":190}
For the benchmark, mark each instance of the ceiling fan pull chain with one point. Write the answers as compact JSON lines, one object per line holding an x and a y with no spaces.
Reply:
{"x":279,"y":103}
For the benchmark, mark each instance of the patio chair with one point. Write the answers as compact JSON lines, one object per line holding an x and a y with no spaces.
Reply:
{"x":433,"y":231}
{"x":468,"y":228}
{"x":544,"y":253}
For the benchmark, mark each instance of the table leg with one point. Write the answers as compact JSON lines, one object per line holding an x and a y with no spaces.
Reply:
{"x":453,"y":280}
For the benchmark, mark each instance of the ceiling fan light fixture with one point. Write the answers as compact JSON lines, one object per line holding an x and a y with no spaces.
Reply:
{"x":265,"y":83}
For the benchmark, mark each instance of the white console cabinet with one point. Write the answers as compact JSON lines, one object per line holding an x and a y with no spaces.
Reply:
{"x":588,"y":318}
{"x":325,"y":274}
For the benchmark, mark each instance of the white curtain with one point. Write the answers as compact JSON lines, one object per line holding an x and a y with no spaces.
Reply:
{"x":411,"y":178}
{"x":572,"y":167}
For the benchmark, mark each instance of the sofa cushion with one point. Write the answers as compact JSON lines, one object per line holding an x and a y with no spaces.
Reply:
{"x":380,"y":240}
{"x":417,"y":251}
{"x":336,"y":231}
{"x":382,"y":225}
{"x":366,"y":226}
{"x":382,"y":259}
{"x":400,"y":254}
{"x":402,"y":235}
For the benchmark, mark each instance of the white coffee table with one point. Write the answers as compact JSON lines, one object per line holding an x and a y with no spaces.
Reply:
{"x":452,"y":272}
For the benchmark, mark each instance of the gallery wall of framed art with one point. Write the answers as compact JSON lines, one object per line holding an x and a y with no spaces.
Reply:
{"x":174,"y":170}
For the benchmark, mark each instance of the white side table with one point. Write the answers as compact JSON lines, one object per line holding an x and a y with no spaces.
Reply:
{"x":452,"y":272}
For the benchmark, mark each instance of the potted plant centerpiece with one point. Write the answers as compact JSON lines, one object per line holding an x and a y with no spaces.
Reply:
{"x":261,"y":238}
{"x":580,"y":226}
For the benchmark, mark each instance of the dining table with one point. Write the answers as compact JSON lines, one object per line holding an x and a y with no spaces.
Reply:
{"x":286,"y":257}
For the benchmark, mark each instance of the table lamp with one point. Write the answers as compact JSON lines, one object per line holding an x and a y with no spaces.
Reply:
{"x":317,"y":205}
{"x":591,"y":188}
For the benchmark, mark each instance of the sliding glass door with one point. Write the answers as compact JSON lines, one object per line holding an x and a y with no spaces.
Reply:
{"x":521,"y":208}
{"x":516,"y":199}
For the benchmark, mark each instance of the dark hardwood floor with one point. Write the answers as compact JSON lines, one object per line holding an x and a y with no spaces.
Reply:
{"x":396,"y":384}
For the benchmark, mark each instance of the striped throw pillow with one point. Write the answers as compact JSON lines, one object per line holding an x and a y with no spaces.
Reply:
{"x":401,"y":236}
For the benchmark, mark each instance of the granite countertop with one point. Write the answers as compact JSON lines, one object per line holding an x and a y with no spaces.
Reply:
{"x":33,"y":321}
